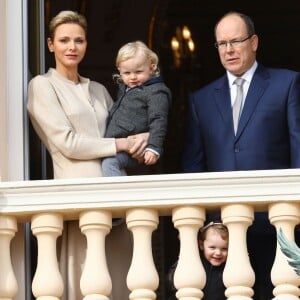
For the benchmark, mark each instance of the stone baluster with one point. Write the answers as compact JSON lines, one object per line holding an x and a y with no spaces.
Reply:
{"x":95,"y":282}
{"x":238,"y":274}
{"x":189,"y":276}
{"x":47,"y":283}
{"x":284,"y":278}
{"x":8,"y":282}
{"x":142,"y":278}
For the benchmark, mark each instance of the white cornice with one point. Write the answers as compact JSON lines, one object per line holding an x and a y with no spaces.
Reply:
{"x":159,"y":191}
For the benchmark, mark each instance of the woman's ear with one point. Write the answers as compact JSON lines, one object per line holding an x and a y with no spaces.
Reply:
{"x":50,"y":44}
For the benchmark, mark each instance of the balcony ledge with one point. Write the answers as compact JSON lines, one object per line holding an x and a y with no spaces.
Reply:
{"x":22,"y":198}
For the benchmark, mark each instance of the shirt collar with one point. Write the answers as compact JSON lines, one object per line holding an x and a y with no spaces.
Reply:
{"x":247,"y":76}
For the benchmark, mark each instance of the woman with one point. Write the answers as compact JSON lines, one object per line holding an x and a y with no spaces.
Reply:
{"x":69,"y":114}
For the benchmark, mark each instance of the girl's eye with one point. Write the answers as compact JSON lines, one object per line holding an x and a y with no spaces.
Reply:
{"x":79,"y":41}
{"x":63,"y":40}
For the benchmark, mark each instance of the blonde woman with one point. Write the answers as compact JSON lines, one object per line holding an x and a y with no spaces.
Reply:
{"x":69,"y":114}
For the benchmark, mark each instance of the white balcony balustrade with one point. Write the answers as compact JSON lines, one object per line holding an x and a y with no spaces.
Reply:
{"x":142,"y":200}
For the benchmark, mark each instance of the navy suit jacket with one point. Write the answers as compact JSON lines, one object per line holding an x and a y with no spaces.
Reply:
{"x":268,"y":135}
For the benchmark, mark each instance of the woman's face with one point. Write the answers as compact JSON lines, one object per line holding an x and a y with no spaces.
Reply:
{"x":69,"y":45}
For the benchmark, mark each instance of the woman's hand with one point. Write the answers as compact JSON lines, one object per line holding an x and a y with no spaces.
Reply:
{"x":137,"y":144}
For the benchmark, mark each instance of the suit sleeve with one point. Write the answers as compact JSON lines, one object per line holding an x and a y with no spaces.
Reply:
{"x":54,"y":128}
{"x":158,"y":109}
{"x":294,"y":121}
{"x":193,"y":159}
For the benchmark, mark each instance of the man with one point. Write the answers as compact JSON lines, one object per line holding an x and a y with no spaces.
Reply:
{"x":266,"y":133}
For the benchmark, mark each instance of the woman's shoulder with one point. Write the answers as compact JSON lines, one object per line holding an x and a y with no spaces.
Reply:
{"x":39,"y":78}
{"x":100,"y":92}
{"x":39,"y":81}
{"x":97,"y":85}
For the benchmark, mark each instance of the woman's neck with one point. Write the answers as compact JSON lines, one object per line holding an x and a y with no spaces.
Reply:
{"x":70,"y":74}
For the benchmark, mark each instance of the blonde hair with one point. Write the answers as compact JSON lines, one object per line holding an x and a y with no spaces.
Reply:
{"x":65,"y":17}
{"x":129,"y":50}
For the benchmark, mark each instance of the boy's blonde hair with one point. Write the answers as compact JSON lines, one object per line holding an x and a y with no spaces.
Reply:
{"x":66,"y":17}
{"x":130,"y":50}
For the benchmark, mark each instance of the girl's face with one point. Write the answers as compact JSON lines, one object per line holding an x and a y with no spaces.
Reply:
{"x":69,"y":46}
{"x":215,"y":249}
{"x":136,"y":70}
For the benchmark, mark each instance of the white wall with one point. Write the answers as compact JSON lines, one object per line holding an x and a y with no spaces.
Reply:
{"x":12,"y":95}
{"x":3,"y":93}
{"x":13,"y":82}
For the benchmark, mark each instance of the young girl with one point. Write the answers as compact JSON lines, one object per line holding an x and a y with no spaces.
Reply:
{"x":213,"y":243}
{"x":142,"y":106}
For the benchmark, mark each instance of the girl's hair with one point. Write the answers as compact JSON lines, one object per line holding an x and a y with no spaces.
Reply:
{"x":65,"y":17}
{"x":217,"y":227}
{"x":130,"y":50}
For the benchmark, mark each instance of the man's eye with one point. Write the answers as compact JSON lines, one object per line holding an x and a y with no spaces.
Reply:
{"x":234,"y":43}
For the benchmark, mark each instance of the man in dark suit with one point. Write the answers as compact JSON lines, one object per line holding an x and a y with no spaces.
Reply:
{"x":268,"y":130}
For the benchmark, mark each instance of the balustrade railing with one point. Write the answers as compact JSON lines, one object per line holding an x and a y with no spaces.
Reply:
{"x":141,"y":200}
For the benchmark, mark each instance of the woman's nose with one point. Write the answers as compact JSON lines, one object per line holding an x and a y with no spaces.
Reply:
{"x":72,"y":45}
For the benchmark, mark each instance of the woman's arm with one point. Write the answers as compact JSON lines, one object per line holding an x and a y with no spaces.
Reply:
{"x":55,"y":129}
{"x":135,"y":145}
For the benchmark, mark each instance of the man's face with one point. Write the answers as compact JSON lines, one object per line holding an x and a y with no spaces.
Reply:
{"x":238,"y":56}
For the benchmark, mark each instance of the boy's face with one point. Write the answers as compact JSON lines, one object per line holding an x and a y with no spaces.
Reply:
{"x":215,"y":249}
{"x":136,"y":71}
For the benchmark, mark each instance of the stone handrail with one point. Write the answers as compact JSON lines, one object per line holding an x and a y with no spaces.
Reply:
{"x":142,"y":199}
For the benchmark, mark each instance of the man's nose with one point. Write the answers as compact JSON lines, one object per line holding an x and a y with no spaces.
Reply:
{"x":229,"y":46}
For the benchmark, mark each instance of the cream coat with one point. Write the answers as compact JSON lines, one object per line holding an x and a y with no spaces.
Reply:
{"x":70,"y":119}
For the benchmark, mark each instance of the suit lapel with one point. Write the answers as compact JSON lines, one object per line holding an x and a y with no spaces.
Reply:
{"x":222,"y":99}
{"x":257,"y":88}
